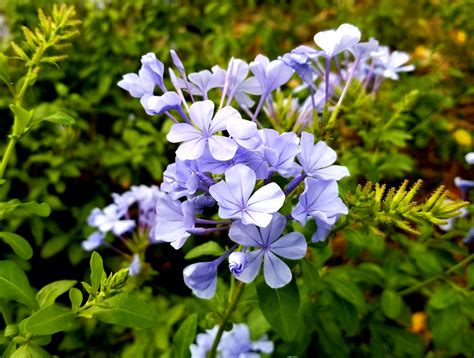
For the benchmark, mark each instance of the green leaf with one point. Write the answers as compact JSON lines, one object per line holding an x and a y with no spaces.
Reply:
{"x":30,"y":350}
{"x":14,"y":284}
{"x":60,"y":118}
{"x":75,"y":295}
{"x":311,"y":276}
{"x":32,"y":207}
{"x":22,"y":119}
{"x":280,"y":308}
{"x":125,"y":310}
{"x":391,"y":303}
{"x":48,"y":294}
{"x":346,"y":290}
{"x":40,"y":209}
{"x":470,"y":275}
{"x":54,"y":245}
{"x":19,"y":245}
{"x":184,"y":337}
{"x":210,"y":248}
{"x":50,"y":319}
{"x":97,"y":271}
{"x":443,"y":297}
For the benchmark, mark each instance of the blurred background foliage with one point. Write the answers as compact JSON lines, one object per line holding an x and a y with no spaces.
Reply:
{"x":115,"y":145}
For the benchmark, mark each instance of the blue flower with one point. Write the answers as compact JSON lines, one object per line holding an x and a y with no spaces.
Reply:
{"x":235,"y":343}
{"x":470,"y":158}
{"x":196,"y":139}
{"x":238,"y":85}
{"x":94,"y":240}
{"x":279,"y":151}
{"x":160,"y":104}
{"x":154,"y":68}
{"x":173,"y":221}
{"x":109,"y":219}
{"x":333,"y":42}
{"x":320,"y":200}
{"x":270,"y":75}
{"x":201,"y":277}
{"x":317,"y":159}
{"x":135,"y":266}
{"x":269,"y":246}
{"x":236,"y":201}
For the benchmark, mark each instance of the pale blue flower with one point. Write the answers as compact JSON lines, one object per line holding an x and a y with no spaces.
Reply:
{"x":279,"y":151}
{"x":94,"y":240}
{"x":317,"y":159}
{"x":155,"y":69}
{"x":135,"y":266}
{"x":270,"y":245}
{"x":333,"y":42}
{"x":109,"y":219}
{"x":236,"y":201}
{"x":195,"y":139}
{"x":173,"y":222}
{"x":270,"y":75}
{"x":201,"y":277}
{"x":235,"y":343}
{"x":320,"y":201}
{"x":159,"y":104}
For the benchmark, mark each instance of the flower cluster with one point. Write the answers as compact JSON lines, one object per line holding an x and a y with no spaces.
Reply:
{"x":234,"y":343}
{"x":463,"y":185}
{"x":230,"y":174}
{"x":131,"y":212}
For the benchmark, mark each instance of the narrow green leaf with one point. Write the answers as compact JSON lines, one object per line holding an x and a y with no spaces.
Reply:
{"x":280,"y":308}
{"x":60,"y":118}
{"x":19,"y":245}
{"x":391,"y":303}
{"x":35,"y":208}
{"x":210,"y":248}
{"x":50,"y":319}
{"x":14,"y":284}
{"x":97,"y":271}
{"x":75,"y":295}
{"x":184,"y":337}
{"x":22,"y":119}
{"x":48,"y":294}
{"x":126,"y":310}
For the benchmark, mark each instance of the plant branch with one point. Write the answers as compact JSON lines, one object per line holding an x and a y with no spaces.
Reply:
{"x":225,"y":318}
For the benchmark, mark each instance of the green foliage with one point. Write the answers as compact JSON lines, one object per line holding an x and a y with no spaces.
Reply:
{"x":14,"y":284}
{"x":396,"y":207}
{"x":280,"y":308}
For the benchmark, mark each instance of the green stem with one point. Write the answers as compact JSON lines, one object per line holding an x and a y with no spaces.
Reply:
{"x":7,"y":155}
{"x":422,"y":284}
{"x":225,"y":318}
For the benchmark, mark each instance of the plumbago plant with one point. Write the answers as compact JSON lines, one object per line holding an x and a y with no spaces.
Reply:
{"x":31,"y":316}
{"x":255,"y":181}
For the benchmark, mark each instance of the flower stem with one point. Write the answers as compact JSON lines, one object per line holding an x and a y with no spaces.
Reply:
{"x":225,"y":318}
{"x":7,"y":155}
{"x":422,"y":284}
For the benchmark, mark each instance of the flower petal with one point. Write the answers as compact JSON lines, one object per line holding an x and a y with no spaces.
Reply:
{"x":201,"y":114}
{"x":277,"y":273}
{"x":191,"y":149}
{"x":222,"y":148}
{"x":268,"y":199}
{"x":254,"y":261}
{"x":182,"y":132}
{"x":246,"y":235}
{"x":291,"y":246}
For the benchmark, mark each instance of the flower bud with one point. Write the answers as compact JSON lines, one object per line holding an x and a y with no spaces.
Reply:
{"x":237,"y":262}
